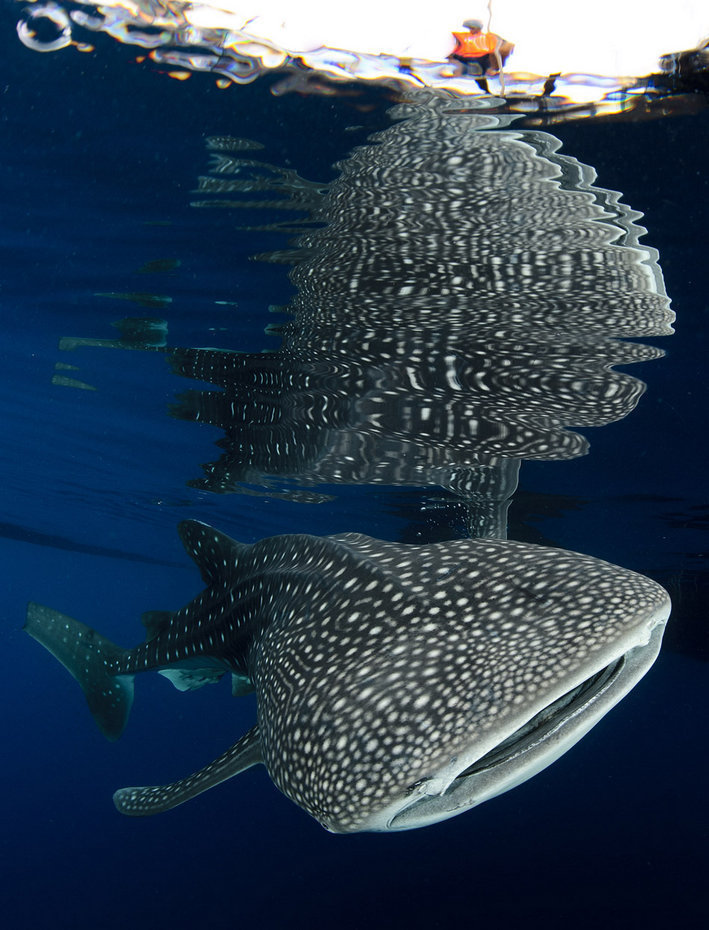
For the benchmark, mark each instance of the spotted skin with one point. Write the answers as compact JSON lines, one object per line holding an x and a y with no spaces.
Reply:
{"x":378,"y":667}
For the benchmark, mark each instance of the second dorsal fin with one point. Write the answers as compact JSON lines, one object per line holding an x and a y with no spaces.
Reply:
{"x":155,"y":622}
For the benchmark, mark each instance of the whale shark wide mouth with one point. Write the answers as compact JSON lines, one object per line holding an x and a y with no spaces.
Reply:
{"x":541,"y":740}
{"x":548,"y":720}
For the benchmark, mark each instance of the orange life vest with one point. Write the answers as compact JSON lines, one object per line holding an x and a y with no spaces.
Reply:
{"x":475,"y":44}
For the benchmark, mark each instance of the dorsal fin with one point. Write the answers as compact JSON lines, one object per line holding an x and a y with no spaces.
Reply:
{"x":155,"y":622}
{"x":211,"y":550}
{"x":139,"y":802}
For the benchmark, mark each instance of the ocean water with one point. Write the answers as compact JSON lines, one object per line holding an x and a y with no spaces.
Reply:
{"x":100,"y":181}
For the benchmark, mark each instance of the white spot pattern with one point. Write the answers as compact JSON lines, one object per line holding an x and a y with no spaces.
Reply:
{"x":352,"y":713}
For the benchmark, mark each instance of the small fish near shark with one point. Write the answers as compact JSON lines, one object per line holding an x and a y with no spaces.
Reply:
{"x":396,"y":685}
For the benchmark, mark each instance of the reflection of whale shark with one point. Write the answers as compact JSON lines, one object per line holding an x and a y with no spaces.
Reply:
{"x":461,"y":307}
{"x":396,"y":685}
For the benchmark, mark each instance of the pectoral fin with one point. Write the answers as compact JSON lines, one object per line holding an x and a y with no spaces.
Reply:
{"x":140,"y":802}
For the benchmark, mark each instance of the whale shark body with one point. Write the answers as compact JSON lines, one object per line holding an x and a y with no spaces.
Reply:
{"x":396,"y":685}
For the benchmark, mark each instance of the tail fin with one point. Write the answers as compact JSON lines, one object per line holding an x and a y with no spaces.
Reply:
{"x":89,"y":658}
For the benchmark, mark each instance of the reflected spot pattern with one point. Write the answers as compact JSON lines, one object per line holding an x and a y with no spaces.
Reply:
{"x":462,"y":304}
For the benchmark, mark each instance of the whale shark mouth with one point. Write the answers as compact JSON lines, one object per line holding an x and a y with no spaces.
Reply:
{"x":539,"y":741}
{"x":549,"y":720}
{"x":534,"y":745}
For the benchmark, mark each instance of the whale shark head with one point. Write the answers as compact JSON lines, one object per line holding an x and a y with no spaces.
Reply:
{"x":396,"y":685}
{"x":431,"y":678}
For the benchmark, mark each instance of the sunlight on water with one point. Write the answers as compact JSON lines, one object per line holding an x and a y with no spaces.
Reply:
{"x":508,"y":49}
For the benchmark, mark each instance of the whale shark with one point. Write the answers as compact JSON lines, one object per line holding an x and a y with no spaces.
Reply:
{"x":396,"y":685}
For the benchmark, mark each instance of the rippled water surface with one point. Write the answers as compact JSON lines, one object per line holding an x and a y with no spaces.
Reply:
{"x":153,"y":229}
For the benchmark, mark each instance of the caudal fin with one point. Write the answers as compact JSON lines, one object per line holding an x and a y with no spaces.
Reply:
{"x":90,"y":658}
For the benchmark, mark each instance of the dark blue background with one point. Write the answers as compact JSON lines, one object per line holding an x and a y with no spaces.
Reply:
{"x":97,"y":150}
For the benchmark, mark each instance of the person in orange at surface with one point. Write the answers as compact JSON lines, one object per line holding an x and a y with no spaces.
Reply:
{"x":480,"y":52}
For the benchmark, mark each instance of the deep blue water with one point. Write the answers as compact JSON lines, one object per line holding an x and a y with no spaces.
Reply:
{"x":100,"y":161}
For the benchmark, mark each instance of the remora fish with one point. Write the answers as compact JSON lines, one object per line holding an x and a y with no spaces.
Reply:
{"x":397,"y":685}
